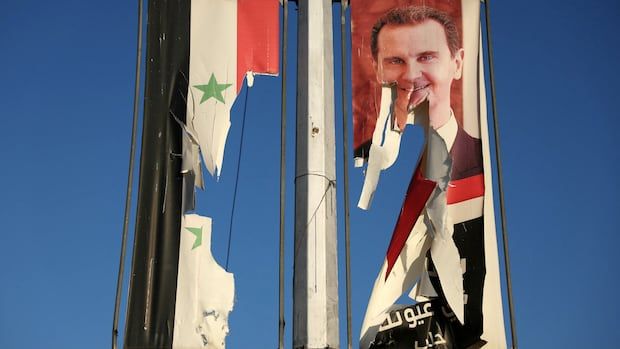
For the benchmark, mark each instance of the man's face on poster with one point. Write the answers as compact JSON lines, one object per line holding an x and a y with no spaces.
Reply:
{"x":417,"y":58}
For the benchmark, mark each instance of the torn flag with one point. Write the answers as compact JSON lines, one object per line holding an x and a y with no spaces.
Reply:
{"x":229,"y":40}
{"x":205,"y":291}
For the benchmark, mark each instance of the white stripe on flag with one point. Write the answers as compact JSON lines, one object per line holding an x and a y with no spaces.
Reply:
{"x":213,"y":76}
{"x":205,"y":291}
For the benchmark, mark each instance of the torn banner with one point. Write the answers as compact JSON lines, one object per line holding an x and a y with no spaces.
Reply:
{"x":230,"y":39}
{"x":422,"y":325}
{"x":423,"y":55}
{"x":205,"y":291}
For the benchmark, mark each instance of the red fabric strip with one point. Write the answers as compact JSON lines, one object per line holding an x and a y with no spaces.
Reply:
{"x":258,"y":30}
{"x":420,"y":189}
{"x":465,"y":189}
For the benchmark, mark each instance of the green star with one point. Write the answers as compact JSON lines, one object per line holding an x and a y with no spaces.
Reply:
{"x":212,"y":89}
{"x":198,"y":233}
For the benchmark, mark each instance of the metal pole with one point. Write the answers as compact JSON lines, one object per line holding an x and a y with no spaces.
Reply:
{"x":153,"y":282}
{"x":345,"y":159}
{"x":132,"y":156}
{"x":315,"y":281}
{"x":513,"y":330}
{"x":282,"y":174}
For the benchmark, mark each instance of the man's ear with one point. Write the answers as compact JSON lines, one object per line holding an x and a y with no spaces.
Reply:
{"x":458,"y":60}
{"x":378,"y":73}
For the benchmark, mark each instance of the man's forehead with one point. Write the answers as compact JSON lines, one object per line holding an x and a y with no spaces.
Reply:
{"x":396,"y":36}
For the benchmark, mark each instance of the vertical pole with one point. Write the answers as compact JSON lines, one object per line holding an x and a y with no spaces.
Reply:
{"x":315,"y":281}
{"x":152,"y":289}
{"x":513,"y":330}
{"x":344,"y":4}
{"x":282,"y":175}
{"x":132,"y":156}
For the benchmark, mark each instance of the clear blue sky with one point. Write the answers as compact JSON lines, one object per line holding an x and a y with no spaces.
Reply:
{"x":66,"y":93}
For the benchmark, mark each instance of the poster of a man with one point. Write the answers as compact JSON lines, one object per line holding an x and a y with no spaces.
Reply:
{"x":416,"y":49}
{"x":370,"y":72}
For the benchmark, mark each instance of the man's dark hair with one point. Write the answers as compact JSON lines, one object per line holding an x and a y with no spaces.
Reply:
{"x":416,"y":15}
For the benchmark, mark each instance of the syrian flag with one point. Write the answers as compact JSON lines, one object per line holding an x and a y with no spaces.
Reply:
{"x":188,"y":95}
{"x":230,"y":40}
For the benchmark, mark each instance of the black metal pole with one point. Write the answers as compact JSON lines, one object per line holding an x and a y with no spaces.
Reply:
{"x":345,"y":159}
{"x":152,"y":290}
{"x":282,"y":176}
{"x":132,"y":156}
{"x":513,"y":330}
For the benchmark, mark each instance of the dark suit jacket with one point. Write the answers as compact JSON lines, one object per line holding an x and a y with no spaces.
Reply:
{"x":466,"y":155}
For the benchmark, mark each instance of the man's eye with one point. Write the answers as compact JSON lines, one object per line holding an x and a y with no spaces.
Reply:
{"x":426,"y":58}
{"x":395,"y":61}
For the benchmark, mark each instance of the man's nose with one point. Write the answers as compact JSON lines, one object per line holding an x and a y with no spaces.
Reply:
{"x":411,"y":72}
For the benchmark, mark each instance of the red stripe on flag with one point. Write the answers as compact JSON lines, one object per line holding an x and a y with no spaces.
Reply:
{"x":465,"y":189}
{"x":258,"y":30}
{"x":420,"y":189}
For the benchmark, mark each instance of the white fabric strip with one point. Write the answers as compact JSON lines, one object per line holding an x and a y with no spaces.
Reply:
{"x":384,"y":148}
{"x":404,"y":274}
{"x":493,"y":326}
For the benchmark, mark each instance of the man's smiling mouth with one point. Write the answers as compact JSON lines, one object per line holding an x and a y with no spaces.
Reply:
{"x":418,"y":95}
{"x":418,"y":88}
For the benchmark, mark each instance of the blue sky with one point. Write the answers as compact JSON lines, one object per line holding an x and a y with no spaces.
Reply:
{"x":66,"y":94}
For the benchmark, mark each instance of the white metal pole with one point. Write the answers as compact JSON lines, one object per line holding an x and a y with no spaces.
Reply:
{"x":315,"y":282}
